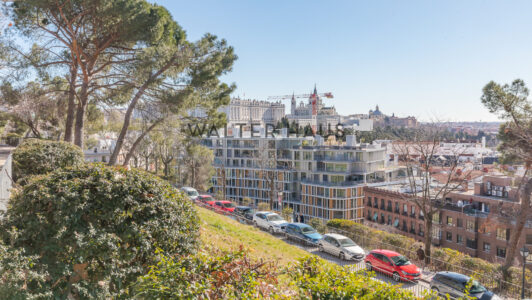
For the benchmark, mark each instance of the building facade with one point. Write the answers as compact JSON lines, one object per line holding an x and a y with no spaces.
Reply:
{"x":477,"y":222}
{"x":318,"y":179}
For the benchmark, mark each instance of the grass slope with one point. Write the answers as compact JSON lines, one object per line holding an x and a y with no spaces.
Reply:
{"x":227,"y":234}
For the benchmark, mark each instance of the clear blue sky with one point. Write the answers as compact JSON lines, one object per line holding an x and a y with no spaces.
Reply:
{"x":429,"y":59}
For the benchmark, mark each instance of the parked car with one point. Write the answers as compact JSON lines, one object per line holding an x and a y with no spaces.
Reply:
{"x":392,"y":263}
{"x":192,"y":193}
{"x":454,"y":285}
{"x":269,"y":221}
{"x":341,"y":246}
{"x":224,"y":205}
{"x":303,"y":232}
{"x":205,"y":198}
{"x":244,"y":211}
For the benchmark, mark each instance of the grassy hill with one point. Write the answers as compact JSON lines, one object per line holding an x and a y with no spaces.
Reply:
{"x":227,"y":234}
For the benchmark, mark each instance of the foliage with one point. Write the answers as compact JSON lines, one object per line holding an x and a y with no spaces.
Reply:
{"x":510,"y":102}
{"x":287,"y":213}
{"x":316,"y":280}
{"x":318,"y":224}
{"x":198,"y":164}
{"x":36,"y":157}
{"x":95,"y":228}
{"x":219,"y":195}
{"x":210,"y":275}
{"x":263,"y":206}
{"x":21,"y":276}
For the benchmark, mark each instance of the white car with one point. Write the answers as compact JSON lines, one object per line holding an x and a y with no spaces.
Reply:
{"x":192,"y":193}
{"x":269,"y":221}
{"x":341,"y":246}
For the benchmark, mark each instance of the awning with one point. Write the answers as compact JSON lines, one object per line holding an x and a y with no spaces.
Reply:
{"x":375,"y":216}
{"x":396,"y":223}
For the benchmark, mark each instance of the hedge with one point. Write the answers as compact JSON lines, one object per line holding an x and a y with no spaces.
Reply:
{"x":37,"y":157}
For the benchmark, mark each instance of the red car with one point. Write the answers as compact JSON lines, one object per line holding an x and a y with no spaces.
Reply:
{"x":392,"y":263}
{"x":224,"y":205}
{"x":205,"y":198}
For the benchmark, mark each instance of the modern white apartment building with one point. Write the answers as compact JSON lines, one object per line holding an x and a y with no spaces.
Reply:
{"x":318,"y":179}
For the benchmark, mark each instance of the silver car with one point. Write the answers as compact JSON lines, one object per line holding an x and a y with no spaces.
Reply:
{"x":454,"y":285}
{"x":341,"y":246}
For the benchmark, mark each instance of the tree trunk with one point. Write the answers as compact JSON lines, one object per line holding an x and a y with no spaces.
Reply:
{"x":136,"y":143}
{"x":513,"y":252}
{"x":147,"y":163}
{"x":80,"y":115}
{"x":428,"y":238}
{"x":156,"y":164}
{"x":71,"y":105}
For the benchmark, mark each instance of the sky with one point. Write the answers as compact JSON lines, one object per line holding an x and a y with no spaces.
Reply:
{"x":428,"y":59}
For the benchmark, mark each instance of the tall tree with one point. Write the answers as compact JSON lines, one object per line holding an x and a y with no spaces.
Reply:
{"x":87,"y":38}
{"x":173,"y":75}
{"x":510,"y":102}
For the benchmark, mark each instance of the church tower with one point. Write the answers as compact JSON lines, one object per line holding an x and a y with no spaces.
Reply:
{"x":293,"y":106}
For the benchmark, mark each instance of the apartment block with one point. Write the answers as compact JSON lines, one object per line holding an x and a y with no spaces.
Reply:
{"x":477,"y":221}
{"x":317,"y":178}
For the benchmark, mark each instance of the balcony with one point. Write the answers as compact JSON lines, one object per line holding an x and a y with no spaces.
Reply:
{"x":396,"y":211}
{"x":413,"y":215}
{"x":405,"y":213}
{"x":389,"y":208}
{"x":421,"y":217}
{"x":412,"y":231}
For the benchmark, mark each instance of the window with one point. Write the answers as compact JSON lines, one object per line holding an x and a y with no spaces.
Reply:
{"x":405,"y":209}
{"x":459,"y":239}
{"x":459,"y":223}
{"x":436,"y":218}
{"x":471,"y":243}
{"x":413,"y":212}
{"x":501,"y":252}
{"x":503,"y":234}
{"x":449,"y":236}
{"x":487,"y":247}
{"x":389,"y":208}
{"x":450,"y":221}
{"x":436,"y":233}
{"x":470,"y":226}
{"x":529,"y":239}
{"x":382,"y":204}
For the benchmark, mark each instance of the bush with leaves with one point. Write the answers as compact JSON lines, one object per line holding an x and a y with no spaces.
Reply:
{"x":210,"y":274}
{"x":20,"y":277}
{"x":316,"y":280}
{"x":37,"y":157}
{"x":96,"y":228}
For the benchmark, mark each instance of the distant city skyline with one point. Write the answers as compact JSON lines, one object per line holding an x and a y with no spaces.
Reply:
{"x":425,"y":59}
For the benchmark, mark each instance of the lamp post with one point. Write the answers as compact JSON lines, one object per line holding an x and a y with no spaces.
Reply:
{"x":524,"y":253}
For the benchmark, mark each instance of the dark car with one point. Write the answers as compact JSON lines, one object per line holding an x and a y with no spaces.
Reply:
{"x":454,"y":285}
{"x":244,"y":211}
{"x":303,"y":232}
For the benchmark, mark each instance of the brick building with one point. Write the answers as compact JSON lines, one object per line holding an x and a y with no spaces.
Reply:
{"x":477,"y":222}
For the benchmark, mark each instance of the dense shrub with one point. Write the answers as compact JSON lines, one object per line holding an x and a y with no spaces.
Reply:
{"x":36,"y":157}
{"x":96,"y":228}
{"x":208,"y":275}
{"x":20,"y":278}
{"x":316,"y":280}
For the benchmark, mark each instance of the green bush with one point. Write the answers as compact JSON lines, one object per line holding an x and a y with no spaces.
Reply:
{"x":36,"y":157}
{"x":96,"y":228}
{"x":316,"y":280}
{"x":20,"y":276}
{"x":208,"y":275}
